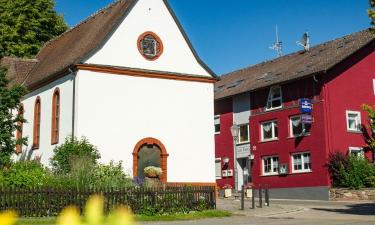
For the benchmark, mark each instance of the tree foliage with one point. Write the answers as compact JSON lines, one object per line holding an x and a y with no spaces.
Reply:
{"x":371,"y":12}
{"x":26,"y":25}
{"x":370,"y":137}
{"x":10,"y":99}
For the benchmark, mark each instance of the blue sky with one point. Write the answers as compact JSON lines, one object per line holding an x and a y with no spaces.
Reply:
{"x":230,"y":35}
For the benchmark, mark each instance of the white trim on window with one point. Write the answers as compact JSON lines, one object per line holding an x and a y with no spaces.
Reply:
{"x":273,"y":130}
{"x":357,"y":118}
{"x":357,"y":151}
{"x":217,"y":124}
{"x":304,"y":127}
{"x":272,"y":99}
{"x":305,"y":164}
{"x":248,"y":134}
{"x":273,"y":165}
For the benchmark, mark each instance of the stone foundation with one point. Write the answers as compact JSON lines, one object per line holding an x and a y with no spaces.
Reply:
{"x":342,"y":194}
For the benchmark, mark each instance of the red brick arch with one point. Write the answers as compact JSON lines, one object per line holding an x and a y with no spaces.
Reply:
{"x":163,"y":155}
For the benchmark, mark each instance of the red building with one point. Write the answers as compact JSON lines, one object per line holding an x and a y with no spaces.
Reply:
{"x":280,"y":147}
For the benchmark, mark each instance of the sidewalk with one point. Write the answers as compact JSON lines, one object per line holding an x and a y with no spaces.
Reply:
{"x":272,"y":210}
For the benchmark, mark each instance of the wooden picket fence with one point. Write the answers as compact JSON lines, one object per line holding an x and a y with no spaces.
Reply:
{"x":41,"y":202}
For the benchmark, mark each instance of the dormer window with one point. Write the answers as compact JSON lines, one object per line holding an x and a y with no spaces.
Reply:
{"x":274,"y":100}
{"x":150,"y":46}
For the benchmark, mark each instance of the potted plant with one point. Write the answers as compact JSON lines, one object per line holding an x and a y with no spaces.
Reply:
{"x":227,"y":190}
{"x":153,"y":172}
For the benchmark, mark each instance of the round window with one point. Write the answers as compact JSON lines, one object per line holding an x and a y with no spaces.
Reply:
{"x":150,"y":46}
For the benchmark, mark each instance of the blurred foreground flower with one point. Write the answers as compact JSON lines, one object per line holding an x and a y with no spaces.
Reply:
{"x":8,"y":218}
{"x":94,"y":214}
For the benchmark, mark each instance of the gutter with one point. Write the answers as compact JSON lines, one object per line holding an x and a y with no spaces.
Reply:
{"x":74,"y":72}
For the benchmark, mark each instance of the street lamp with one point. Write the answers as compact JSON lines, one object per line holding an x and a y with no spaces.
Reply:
{"x":235,"y":132}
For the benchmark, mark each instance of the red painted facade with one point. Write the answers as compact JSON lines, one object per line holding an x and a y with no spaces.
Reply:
{"x":345,"y":87}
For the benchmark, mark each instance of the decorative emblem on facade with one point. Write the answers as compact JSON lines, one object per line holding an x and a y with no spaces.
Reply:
{"x":150,"y":46}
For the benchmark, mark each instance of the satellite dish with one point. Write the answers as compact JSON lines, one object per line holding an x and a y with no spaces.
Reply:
{"x":305,"y":41}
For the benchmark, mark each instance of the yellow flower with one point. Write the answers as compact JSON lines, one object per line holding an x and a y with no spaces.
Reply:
{"x":8,"y":218}
{"x":121,"y":216}
{"x":69,"y":216}
{"x":94,"y":210}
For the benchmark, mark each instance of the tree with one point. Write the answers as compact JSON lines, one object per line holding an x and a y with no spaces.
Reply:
{"x":371,"y":12}
{"x":26,"y":25}
{"x":10,"y":99}
{"x":370,"y":138}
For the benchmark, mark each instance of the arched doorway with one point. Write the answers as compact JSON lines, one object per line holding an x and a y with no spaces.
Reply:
{"x":149,"y":152}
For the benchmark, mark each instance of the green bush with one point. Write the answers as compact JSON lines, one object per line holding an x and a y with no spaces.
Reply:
{"x":111,"y":175}
{"x":25,"y":174}
{"x":73,"y":148}
{"x":358,"y":174}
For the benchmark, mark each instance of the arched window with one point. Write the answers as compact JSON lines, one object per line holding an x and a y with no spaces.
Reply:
{"x":36,"y":135}
{"x":19,"y":130}
{"x":55,"y":117}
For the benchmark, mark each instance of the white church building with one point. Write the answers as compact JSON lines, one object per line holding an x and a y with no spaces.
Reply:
{"x":128,"y":79}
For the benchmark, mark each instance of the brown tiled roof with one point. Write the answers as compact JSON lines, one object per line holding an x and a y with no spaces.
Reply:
{"x":293,"y":66}
{"x":70,"y":47}
{"x":17,"y":68}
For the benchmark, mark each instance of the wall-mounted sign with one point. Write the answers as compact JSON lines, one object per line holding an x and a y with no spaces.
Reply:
{"x":243,"y":151}
{"x":306,"y":105}
{"x":307,"y":119}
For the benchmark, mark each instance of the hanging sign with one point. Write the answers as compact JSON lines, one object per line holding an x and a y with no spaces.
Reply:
{"x":307,"y":119}
{"x":306,"y":105}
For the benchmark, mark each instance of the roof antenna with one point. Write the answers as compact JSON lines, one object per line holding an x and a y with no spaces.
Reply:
{"x":278,"y":45}
{"x":305,"y":41}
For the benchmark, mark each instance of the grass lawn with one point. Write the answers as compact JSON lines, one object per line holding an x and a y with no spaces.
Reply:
{"x":174,"y":217}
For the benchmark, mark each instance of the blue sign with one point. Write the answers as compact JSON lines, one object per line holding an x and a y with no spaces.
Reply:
{"x":306,"y":106}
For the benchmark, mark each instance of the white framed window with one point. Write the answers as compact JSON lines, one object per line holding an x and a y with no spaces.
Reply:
{"x":244,"y":133}
{"x":269,"y":130}
{"x":357,"y":152}
{"x":270,"y":165}
{"x":297,"y":128}
{"x":218,"y":168}
{"x":217,"y":124}
{"x":275,"y":100}
{"x":301,"y":162}
{"x":353,"y":121}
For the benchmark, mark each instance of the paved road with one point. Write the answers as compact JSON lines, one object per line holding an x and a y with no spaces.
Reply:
{"x":291,"y":213}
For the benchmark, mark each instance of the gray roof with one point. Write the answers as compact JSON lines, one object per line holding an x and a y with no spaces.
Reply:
{"x":297,"y":65}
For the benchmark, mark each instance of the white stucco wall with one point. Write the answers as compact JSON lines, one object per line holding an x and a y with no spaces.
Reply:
{"x":45,"y":93}
{"x":148,"y":15}
{"x":115,"y":112}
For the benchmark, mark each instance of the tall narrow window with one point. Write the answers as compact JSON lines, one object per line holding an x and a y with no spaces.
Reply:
{"x":274,"y":100}
{"x":37,"y":111}
{"x":55,"y":117}
{"x":19,"y":130}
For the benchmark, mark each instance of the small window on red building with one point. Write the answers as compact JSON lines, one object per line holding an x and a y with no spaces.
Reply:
{"x":55,"y":117}
{"x":217,"y":124}
{"x":297,"y":128}
{"x":274,"y":100}
{"x":270,"y":165}
{"x":301,"y":162}
{"x":269,"y":130}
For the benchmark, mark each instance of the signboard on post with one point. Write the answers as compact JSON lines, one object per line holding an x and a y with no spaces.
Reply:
{"x":306,"y":106}
{"x":307,"y":119}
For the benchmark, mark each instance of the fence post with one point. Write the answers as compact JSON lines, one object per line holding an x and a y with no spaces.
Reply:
{"x":253,"y":198}
{"x":260,"y":197}
{"x":267,"y":196}
{"x":243,"y":197}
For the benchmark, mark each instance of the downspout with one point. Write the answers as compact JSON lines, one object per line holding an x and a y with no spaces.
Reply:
{"x":73,"y":100}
